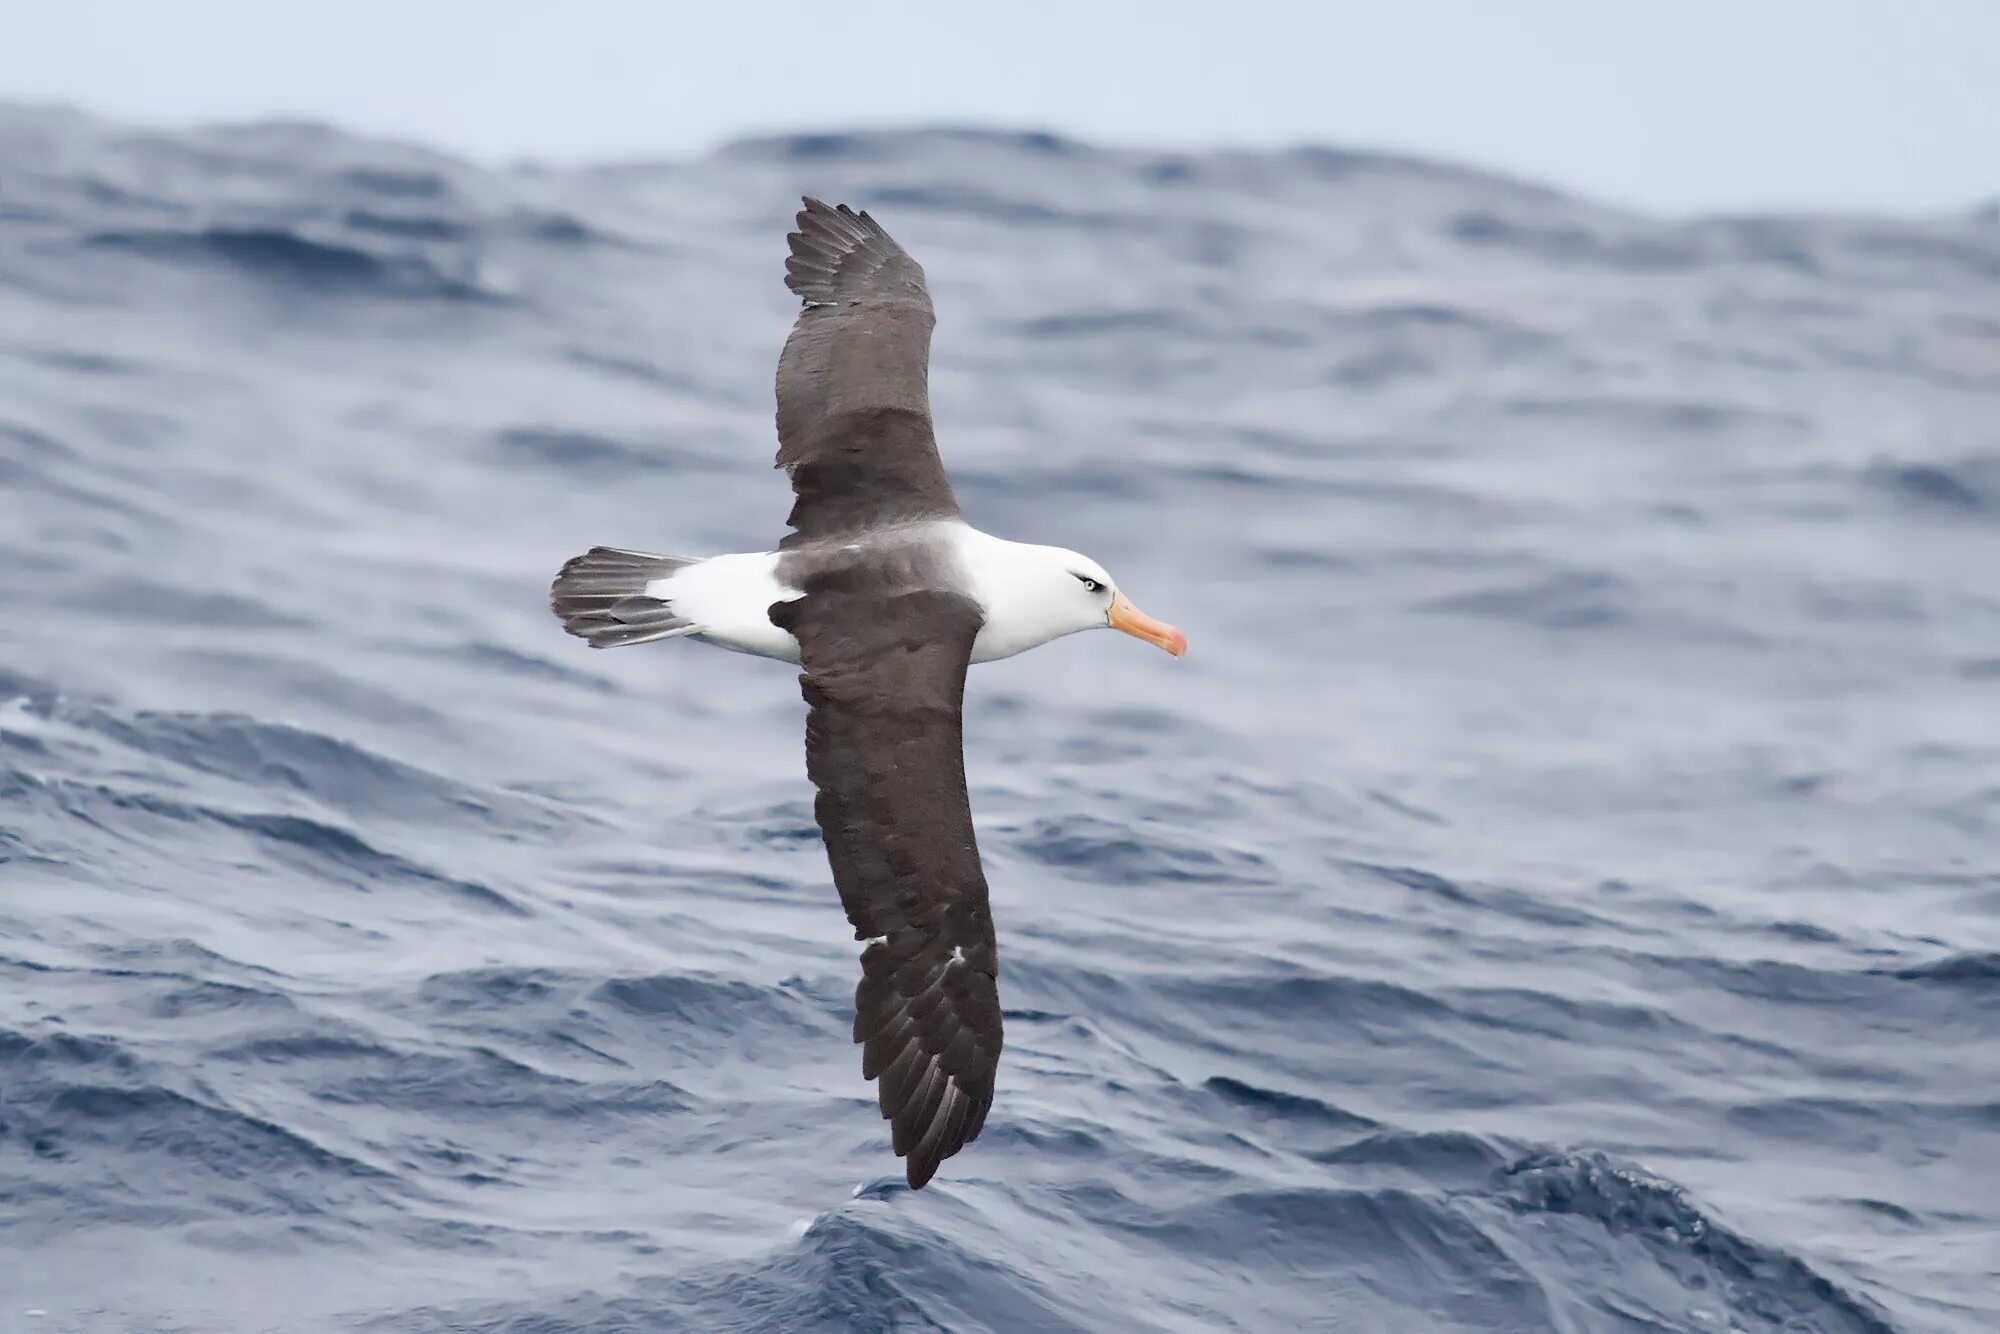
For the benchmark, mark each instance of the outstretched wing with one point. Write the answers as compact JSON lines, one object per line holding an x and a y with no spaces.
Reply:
{"x":854,"y":409}
{"x":885,"y":680}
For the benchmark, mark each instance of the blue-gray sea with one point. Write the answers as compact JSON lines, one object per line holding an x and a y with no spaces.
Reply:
{"x":1558,"y":892}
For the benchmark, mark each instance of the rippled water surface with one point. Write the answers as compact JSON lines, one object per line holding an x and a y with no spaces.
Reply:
{"x":1558,"y":892}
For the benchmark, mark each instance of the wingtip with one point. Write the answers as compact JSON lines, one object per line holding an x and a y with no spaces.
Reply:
{"x":814,"y":206}
{"x":837,"y":251}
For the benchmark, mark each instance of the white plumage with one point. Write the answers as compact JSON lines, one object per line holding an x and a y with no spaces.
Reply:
{"x":1030,"y":594}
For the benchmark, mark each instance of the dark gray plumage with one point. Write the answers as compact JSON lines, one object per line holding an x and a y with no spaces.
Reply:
{"x":885,"y":679}
{"x":884,"y":645}
{"x":884,"y":596}
{"x":854,"y":412}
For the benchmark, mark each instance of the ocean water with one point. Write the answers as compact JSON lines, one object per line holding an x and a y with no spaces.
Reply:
{"x":1558,"y":892}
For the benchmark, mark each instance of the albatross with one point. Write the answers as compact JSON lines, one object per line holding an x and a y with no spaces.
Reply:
{"x":883,"y":595}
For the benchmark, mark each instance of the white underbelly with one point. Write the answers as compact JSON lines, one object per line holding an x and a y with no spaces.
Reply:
{"x":730,"y":598}
{"x":769,"y":643}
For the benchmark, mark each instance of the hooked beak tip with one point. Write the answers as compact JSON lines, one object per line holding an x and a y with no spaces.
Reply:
{"x":1124,"y":616}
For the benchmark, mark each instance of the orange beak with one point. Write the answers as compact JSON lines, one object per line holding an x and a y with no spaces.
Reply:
{"x":1126,"y":617}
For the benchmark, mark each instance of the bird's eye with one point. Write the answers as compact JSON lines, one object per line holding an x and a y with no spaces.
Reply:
{"x":1090,"y":585}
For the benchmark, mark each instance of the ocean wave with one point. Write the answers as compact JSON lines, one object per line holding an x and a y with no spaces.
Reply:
{"x":288,"y":256}
{"x":1549,"y":897}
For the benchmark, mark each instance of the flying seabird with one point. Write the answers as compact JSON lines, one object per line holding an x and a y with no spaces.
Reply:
{"x":883,"y":594}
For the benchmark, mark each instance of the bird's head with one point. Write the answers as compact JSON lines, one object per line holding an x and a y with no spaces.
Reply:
{"x":1035,"y":594}
{"x":1097,"y":602}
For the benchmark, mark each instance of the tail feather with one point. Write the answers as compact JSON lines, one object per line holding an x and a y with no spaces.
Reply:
{"x":601,"y":597}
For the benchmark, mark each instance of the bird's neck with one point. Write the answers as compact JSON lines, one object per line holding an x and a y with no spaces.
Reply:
{"x":1010,"y":581}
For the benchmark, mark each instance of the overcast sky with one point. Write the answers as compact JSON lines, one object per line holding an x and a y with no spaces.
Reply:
{"x":1676,"y":104}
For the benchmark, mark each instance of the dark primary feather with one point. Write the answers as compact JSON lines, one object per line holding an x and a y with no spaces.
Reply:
{"x":854,"y":414}
{"x":885,"y":680}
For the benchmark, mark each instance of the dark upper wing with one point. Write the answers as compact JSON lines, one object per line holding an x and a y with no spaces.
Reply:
{"x":854,"y":408}
{"x":885,"y":678}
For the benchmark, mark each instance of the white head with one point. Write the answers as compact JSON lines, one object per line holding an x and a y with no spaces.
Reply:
{"x":1035,"y":594}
